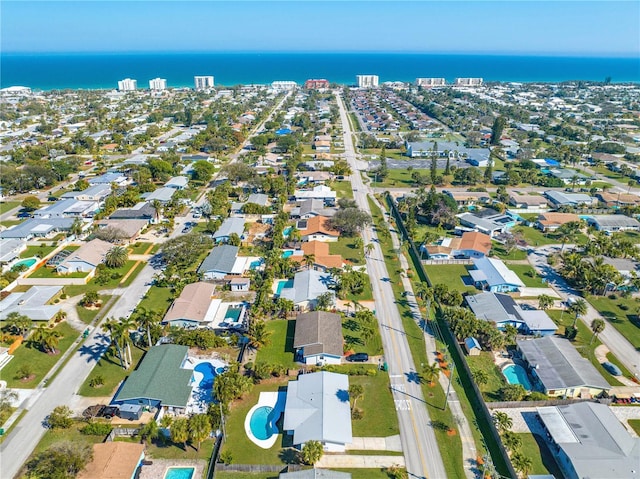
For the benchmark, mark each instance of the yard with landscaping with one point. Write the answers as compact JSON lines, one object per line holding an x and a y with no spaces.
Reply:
{"x":499,"y":251}
{"x":40,"y":251}
{"x":452,"y":275}
{"x":140,"y":248}
{"x":352,"y":334}
{"x":495,"y":378}
{"x":380,"y":418}
{"x":536,"y":449}
{"x":347,"y":248}
{"x":535,"y":237}
{"x":88,"y":315}
{"x":156,"y":299}
{"x":342,"y":188}
{"x":397,"y":178}
{"x":117,"y":277}
{"x":528,"y":275}
{"x":30,"y":355}
{"x":108,"y":372}
{"x":8,"y":206}
{"x":279,"y":349}
{"x":621,"y":313}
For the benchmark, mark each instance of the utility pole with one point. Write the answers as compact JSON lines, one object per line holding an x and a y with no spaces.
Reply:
{"x":453,"y":371}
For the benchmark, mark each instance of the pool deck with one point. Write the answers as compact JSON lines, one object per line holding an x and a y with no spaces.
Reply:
{"x":276,"y":400}
{"x":196,"y":402}
{"x":158,"y":469}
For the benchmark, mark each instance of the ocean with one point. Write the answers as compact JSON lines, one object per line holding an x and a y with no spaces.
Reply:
{"x":91,"y":71}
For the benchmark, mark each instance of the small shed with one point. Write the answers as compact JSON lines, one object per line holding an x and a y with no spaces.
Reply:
{"x":132,"y":412}
{"x":472,"y":346}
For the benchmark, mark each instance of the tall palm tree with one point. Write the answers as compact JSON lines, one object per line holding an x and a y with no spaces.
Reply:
{"x":521,"y":463}
{"x":46,"y":337}
{"x":157,"y":209}
{"x":502,"y":421}
{"x":258,"y":334}
{"x":146,"y":319}
{"x":18,"y":323}
{"x":597,"y":326}
{"x":578,"y":308}
{"x":430,"y":373}
{"x":355,"y":392}
{"x":116,"y":257}
{"x":199,"y":428}
{"x":180,"y":431}
{"x":368,"y":248}
{"x":309,"y":260}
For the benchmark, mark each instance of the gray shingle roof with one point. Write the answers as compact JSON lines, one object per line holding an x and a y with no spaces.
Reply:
{"x":558,"y":364}
{"x":319,"y":332}
{"x":230,"y":226}
{"x":221,"y":259}
{"x":307,"y":286}
{"x":32,"y":303}
{"x":318,"y":409}
{"x":39,"y":226}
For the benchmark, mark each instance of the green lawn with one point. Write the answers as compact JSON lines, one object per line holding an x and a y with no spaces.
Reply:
{"x":40,"y":251}
{"x":10,"y":223}
{"x":88,"y":315}
{"x":355,"y":474}
{"x":120,"y":273}
{"x":622,"y":314}
{"x":346,"y":247}
{"x":139,"y":247}
{"x":496,"y":380}
{"x":635,"y":425}
{"x":398,"y":178}
{"x":280,"y":347}
{"x":41,"y":363}
{"x":365,"y":295}
{"x":47,"y":272}
{"x":156,"y":299}
{"x":582,"y":342}
{"x":351,"y":332}
{"x":499,"y":251}
{"x":342,"y":188}
{"x":535,"y":237}
{"x":451,"y":275}
{"x":380,"y":418}
{"x":109,"y":368}
{"x":528,"y":275}
{"x":8,"y":206}
{"x":536,"y":449}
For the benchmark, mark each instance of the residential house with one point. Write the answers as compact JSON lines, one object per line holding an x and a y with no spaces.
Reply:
{"x":470,"y":245}
{"x":67,"y":208}
{"x":322,"y":259}
{"x":530,"y":202}
{"x":38,"y":227}
{"x":194,"y":307}
{"x":219,"y":262}
{"x":163,"y":195}
{"x":613,"y":223}
{"x":469,"y":198}
{"x":32,"y":303}
{"x":317,"y":409}
{"x":127,"y":230}
{"x":320,"y":192}
{"x":96,"y":192}
{"x":559,"y":369}
{"x":490,"y":224}
{"x":108,"y":179}
{"x":228,"y":227}
{"x":563,"y":198}
{"x":548,"y":222}
{"x":308,"y":285}
{"x":502,"y":310}
{"x":569,"y":177}
{"x":587,"y":440}
{"x":313,"y":177}
{"x":160,"y":381}
{"x":318,"y":338}
{"x":239,"y":285}
{"x":317,"y":229}
{"x":310,"y":208}
{"x":141,"y":211}
{"x":114,"y":460}
{"x":86,"y":258}
{"x":10,"y":249}
{"x":177,"y":182}
{"x":493,"y":275}
{"x":613,"y":200}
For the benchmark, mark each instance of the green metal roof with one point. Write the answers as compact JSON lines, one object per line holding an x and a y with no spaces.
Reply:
{"x":160,"y":377}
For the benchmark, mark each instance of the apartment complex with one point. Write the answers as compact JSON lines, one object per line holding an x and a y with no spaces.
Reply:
{"x":468,"y":81}
{"x":158,"y":84}
{"x":430,"y":82}
{"x":203,"y":82}
{"x":367,"y":81}
{"x":316,"y":84}
{"x":127,"y":85}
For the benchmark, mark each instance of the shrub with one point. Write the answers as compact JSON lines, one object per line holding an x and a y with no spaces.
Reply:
{"x":623,"y":307}
{"x":226,"y":457}
{"x":357,"y":414}
{"x":372,"y":372}
{"x":537,"y":396}
{"x":96,"y":429}
{"x":96,"y":381}
{"x":613,"y":296}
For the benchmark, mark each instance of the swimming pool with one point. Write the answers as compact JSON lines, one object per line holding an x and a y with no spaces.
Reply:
{"x":255,"y":264}
{"x":29,"y":262}
{"x":179,"y":473}
{"x":208,"y":373}
{"x":286,"y":253}
{"x":287,"y":231}
{"x":516,"y":374}
{"x":232,"y":314}
{"x":283,"y":283}
{"x":262,"y":423}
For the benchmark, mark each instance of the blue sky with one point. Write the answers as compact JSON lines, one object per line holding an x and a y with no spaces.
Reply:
{"x":514,"y":26}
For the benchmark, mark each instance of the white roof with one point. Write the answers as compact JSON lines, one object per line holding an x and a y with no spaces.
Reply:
{"x":496,"y":272}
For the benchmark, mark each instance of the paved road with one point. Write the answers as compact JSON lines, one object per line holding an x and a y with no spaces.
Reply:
{"x":422,"y":455}
{"x":17,"y":447}
{"x":616,"y":342}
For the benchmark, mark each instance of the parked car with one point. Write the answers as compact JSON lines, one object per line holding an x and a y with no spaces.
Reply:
{"x":109,"y":412}
{"x":358,"y":358}
{"x":612,"y":368}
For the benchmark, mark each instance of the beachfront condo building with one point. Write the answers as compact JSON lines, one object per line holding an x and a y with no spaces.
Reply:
{"x":127,"y":85}
{"x":203,"y":82}
{"x":158,"y":84}
{"x":367,"y":81}
{"x":316,"y":84}
{"x":468,"y":81}
{"x":430,"y":82}
{"x":284,"y":85}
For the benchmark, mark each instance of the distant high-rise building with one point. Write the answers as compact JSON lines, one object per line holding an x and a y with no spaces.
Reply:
{"x":367,"y":81}
{"x":468,"y":81}
{"x":158,"y":84}
{"x":203,"y":82}
{"x":316,"y":84}
{"x":284,"y":85}
{"x":127,"y":85}
{"x":430,"y":82}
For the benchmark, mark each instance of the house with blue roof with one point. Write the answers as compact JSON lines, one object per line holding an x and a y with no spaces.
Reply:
{"x":493,"y":275}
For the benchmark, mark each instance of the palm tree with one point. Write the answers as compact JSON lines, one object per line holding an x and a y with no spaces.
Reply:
{"x":366,"y":332}
{"x":46,"y":337}
{"x":597,"y":326}
{"x":521,"y":463}
{"x":309,"y":260}
{"x":355,"y":392}
{"x":511,"y":441}
{"x":545,"y":302}
{"x":312,"y":452}
{"x":502,"y":421}
{"x":146,"y":319}
{"x":199,"y":428}
{"x":579,"y":308}
{"x":60,"y":315}
{"x":369,"y":247}
{"x":157,"y":209}
{"x":258,"y":334}
{"x":180,"y":431}
{"x":150,"y":431}
{"x":18,"y":323}
{"x":430,"y":373}
{"x":119,"y":331}
{"x":116,"y":257}
{"x":480,"y":377}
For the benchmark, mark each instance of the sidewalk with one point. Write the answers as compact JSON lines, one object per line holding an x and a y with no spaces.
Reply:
{"x":348,"y":461}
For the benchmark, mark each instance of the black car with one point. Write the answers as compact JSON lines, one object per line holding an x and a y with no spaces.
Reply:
{"x":358,"y":358}
{"x":109,"y":412}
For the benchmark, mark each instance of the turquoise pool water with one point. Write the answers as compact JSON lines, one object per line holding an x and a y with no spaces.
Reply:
{"x":233,"y":314}
{"x":262,"y":423}
{"x":255,"y":264}
{"x":27,"y":262}
{"x":287,"y":253}
{"x":208,"y":373}
{"x":283,"y":283}
{"x":180,"y":473}
{"x":516,"y":374}
{"x":286,"y":231}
